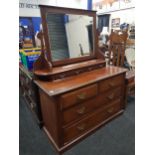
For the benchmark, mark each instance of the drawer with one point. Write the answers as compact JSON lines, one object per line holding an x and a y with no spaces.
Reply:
{"x":90,"y":122}
{"x":62,"y":75}
{"x":81,"y":110}
{"x":78,"y":96}
{"x":111,"y":83}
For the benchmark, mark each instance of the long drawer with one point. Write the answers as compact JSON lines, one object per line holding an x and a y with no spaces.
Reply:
{"x":78,"y":111}
{"x":88,"y":123}
{"x":78,"y":96}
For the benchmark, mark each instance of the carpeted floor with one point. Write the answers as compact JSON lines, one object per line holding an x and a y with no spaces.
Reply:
{"x":115,"y":138}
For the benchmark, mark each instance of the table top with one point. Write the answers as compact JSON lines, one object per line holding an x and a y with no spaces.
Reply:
{"x":67,"y":84}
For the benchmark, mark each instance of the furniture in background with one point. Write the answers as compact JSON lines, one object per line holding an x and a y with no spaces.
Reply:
{"x":132,"y":32}
{"x":117,"y":43}
{"x":130,"y":57}
{"x":130,"y":83}
{"x":29,"y":91}
{"x":130,"y":43}
{"x":117,"y":54}
{"x":130,"y":75}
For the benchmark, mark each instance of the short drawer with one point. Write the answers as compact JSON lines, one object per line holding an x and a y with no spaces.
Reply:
{"x":81,"y":110}
{"x":90,"y":122}
{"x":111,"y":83}
{"x":78,"y":96}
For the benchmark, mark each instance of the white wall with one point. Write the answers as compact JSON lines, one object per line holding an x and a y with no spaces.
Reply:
{"x":126,"y":16}
{"x":80,"y":4}
{"x":77,"y":33}
{"x":25,"y":11}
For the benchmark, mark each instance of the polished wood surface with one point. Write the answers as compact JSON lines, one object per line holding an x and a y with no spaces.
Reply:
{"x":111,"y":83}
{"x":74,"y":107}
{"x":77,"y":96}
{"x":68,"y":84}
{"x":50,"y":114}
{"x":70,"y":144}
{"x":67,"y":68}
{"x":80,"y":110}
{"x":90,"y":121}
{"x":42,"y":62}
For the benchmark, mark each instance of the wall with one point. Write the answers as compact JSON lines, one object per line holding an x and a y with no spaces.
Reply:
{"x":29,"y":8}
{"x":80,"y":4}
{"x":123,"y":9}
{"x":126,"y":16}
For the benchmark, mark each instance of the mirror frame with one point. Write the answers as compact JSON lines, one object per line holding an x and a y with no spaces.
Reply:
{"x":44,"y":9}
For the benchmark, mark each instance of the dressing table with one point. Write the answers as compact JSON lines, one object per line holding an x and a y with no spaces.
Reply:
{"x":78,"y":93}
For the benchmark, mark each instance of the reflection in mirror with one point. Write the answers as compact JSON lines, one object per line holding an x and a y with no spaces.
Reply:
{"x":71,"y":36}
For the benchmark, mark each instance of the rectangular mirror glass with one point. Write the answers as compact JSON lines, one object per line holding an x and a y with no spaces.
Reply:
{"x":70,"y":35}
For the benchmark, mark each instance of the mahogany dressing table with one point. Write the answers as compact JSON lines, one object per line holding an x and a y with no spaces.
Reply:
{"x":78,"y":94}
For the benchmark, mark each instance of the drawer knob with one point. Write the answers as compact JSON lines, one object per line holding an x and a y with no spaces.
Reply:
{"x":110,"y":97}
{"x":111,"y":84}
{"x":81,"y":96}
{"x":81,"y":110}
{"x":110,"y":110}
{"x":81,"y":127}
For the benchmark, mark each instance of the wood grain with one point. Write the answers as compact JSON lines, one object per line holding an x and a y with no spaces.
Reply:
{"x":68,"y":84}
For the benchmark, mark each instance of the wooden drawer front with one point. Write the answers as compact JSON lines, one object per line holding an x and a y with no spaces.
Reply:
{"x":78,"y":96}
{"x":111,"y":83}
{"x":79,"y":111}
{"x":88,"y":123}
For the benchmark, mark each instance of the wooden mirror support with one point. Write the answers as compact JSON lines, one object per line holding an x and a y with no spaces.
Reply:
{"x":42,"y":64}
{"x":46,"y":69}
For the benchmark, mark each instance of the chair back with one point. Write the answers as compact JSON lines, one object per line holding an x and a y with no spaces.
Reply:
{"x":117,"y":47}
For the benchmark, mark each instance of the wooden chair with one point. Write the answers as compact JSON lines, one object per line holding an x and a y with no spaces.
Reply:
{"x":117,"y":43}
{"x":117,"y":47}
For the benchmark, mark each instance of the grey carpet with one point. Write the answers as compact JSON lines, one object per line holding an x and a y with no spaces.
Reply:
{"x":115,"y":138}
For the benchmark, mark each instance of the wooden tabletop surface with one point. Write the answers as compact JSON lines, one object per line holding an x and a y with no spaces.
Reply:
{"x":67,"y":84}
